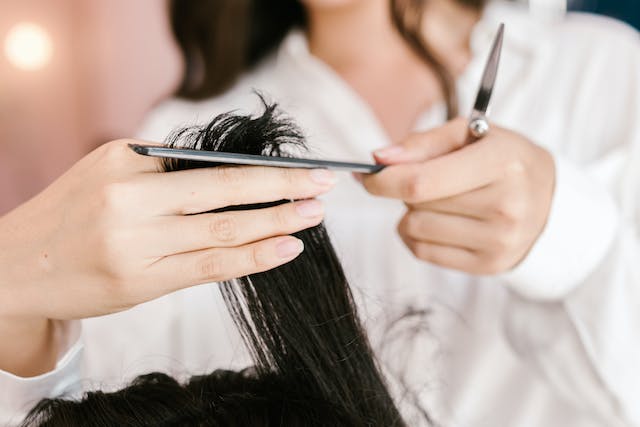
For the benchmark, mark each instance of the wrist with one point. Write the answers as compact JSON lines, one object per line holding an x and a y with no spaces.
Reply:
{"x":29,"y":347}
{"x":28,"y":341}
{"x":582,"y":224}
{"x":20,"y":269}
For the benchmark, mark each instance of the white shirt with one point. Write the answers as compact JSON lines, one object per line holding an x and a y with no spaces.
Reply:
{"x":555,"y":342}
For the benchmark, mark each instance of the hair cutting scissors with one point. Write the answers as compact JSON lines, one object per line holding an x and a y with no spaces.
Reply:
{"x":478,"y":127}
{"x":478,"y":123}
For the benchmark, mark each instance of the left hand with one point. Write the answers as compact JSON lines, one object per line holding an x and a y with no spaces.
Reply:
{"x":477,"y":208}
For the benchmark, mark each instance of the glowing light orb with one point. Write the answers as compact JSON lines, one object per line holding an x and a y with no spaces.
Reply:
{"x":28,"y":46}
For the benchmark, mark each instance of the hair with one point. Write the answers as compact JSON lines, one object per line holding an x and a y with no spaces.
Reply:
{"x":313,"y":364}
{"x":221,"y":39}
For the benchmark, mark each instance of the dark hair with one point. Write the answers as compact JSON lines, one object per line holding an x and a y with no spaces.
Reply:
{"x":220,"y":399}
{"x":220,"y":39}
{"x":313,"y":362}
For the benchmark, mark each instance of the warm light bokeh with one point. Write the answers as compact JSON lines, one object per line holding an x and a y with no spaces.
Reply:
{"x":102,"y":66}
{"x":28,"y":46}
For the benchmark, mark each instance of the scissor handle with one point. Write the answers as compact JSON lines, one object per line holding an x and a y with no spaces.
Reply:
{"x":478,"y":126}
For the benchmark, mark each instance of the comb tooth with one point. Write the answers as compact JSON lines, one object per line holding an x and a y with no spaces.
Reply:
{"x":215,"y":158}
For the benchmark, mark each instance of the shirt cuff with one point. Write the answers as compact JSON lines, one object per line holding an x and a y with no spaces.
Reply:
{"x":19,"y":394}
{"x":581,"y":227}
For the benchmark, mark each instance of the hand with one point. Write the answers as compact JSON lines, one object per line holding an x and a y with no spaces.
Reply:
{"x":113,"y":232}
{"x":477,"y":208}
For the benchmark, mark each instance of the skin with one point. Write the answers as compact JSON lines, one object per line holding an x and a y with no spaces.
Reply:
{"x":356,"y":38}
{"x":475,"y":208}
{"x":113,"y":232}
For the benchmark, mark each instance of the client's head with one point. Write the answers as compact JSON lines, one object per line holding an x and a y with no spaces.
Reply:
{"x":313,"y":364}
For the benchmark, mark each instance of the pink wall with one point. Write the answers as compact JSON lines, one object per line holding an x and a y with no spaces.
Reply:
{"x":112,"y":61}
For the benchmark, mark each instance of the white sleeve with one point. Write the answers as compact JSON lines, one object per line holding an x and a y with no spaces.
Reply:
{"x":574,"y":311}
{"x":18,"y":395}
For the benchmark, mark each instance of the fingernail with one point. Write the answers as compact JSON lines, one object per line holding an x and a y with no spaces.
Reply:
{"x":289,"y":247}
{"x":357,"y":176}
{"x":322,"y":176}
{"x":310,"y":208}
{"x":388,"y":152}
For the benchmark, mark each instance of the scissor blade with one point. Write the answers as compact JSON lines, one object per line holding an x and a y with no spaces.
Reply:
{"x":490,"y":73}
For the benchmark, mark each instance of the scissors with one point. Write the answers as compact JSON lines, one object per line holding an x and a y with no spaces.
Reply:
{"x":478,"y":124}
{"x":478,"y":127}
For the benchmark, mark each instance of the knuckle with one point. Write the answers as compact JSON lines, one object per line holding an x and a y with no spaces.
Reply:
{"x":493,"y":264}
{"x":101,"y":248}
{"x":425,"y":252}
{"x":279,"y":217}
{"x":257,"y":259}
{"x":415,"y":248}
{"x":291,"y":177}
{"x":501,"y":242}
{"x":418,"y":141}
{"x":474,"y":266}
{"x":371,"y":185}
{"x":509,"y":210}
{"x":402,"y":226}
{"x":412,"y":224}
{"x":223,"y":228}
{"x":413,"y":189}
{"x":115,"y":151}
{"x":514,"y":168}
{"x":514,"y":236}
{"x":209,"y":267}
{"x":504,"y":242}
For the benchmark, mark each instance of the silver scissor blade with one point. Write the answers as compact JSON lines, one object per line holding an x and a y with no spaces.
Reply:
{"x":490,"y":73}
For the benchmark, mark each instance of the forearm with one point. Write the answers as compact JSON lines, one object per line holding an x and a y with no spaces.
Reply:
{"x":27,"y":341}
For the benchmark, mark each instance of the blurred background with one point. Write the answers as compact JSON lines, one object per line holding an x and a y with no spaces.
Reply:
{"x":624,"y":10}
{"x":77,"y":73}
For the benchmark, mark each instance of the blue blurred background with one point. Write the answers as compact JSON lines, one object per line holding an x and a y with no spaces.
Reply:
{"x":625,"y":10}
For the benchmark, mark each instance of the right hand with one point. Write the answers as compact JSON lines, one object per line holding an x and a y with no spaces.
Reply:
{"x":113,"y":232}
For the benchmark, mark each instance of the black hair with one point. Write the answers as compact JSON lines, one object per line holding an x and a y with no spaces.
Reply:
{"x":313,"y":364}
{"x":221,"y":39}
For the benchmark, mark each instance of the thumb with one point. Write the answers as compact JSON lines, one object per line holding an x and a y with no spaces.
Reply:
{"x":423,"y":146}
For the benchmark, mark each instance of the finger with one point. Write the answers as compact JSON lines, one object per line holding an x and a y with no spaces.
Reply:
{"x":147,"y":163}
{"x":214,"y":265}
{"x":467,"y":169}
{"x":202,"y":190}
{"x":445,"y":256}
{"x":177,"y":234}
{"x":119,"y":159}
{"x":444,"y":229}
{"x":425,"y":145}
{"x":478,"y":204}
